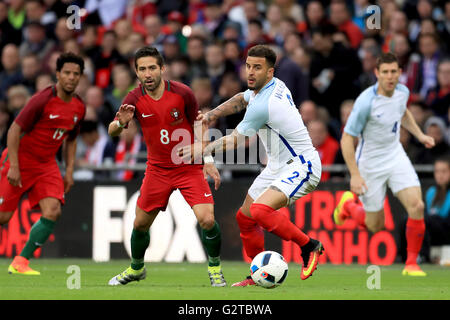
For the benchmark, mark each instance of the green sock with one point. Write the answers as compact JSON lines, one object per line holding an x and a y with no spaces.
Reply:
{"x":212,"y":240}
{"x":139,"y":243}
{"x":39,"y":233}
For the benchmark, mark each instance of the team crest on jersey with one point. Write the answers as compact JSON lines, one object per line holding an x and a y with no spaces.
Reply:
{"x":176,"y":114}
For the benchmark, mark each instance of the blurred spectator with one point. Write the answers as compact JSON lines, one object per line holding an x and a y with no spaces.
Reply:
{"x":315,"y":17}
{"x":244,"y":12}
{"x":88,"y":38}
{"x":436,"y":128}
{"x":127,"y":151}
{"x":334,"y":71}
{"x":122,"y":83}
{"x":36,"y":41}
{"x":18,"y":97}
{"x":429,"y":50}
{"x":62,"y":32}
{"x":105,"y":12}
{"x":397,"y":24}
{"x":30,"y":69}
{"x":123,"y":29}
{"x":325,"y":144}
{"x":5,"y":122}
{"x":16,"y":13}
{"x":138,"y":10}
{"x":43,"y":81}
{"x":83,"y":86}
{"x":179,"y":68}
{"x":292,"y":75}
{"x":94,"y":148}
{"x":274,"y":16}
{"x":154,"y":37}
{"x":232,"y":53}
{"x":438,"y":98}
{"x":203,"y":92}
{"x":340,"y":17}
{"x":170,"y":48}
{"x":217,"y":66}
{"x":8,"y":33}
{"x":369,"y":63}
{"x":105,"y":59}
{"x":308,"y":111}
{"x":437,"y":204}
{"x":232,"y":32}
{"x":11,"y":73}
{"x":255,"y":35}
{"x":293,"y":41}
{"x":290,"y":8}
{"x":302,"y":56}
{"x":407,"y":59}
{"x":420,"y":113}
{"x":175,"y":23}
{"x":424,"y":10}
{"x":215,"y":18}
{"x":95,"y":99}
{"x":196,"y":55}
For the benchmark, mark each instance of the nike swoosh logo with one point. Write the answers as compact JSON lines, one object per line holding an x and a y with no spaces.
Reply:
{"x":210,"y":238}
{"x":308,"y":271}
{"x":147,"y":115}
{"x":37,"y":244}
{"x":207,"y":195}
{"x":54,"y":116}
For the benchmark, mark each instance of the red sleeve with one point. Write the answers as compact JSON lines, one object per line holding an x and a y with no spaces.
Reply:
{"x":31,"y":113}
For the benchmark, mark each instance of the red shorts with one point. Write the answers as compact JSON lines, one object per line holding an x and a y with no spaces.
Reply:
{"x":159,"y":183}
{"x":39,"y":181}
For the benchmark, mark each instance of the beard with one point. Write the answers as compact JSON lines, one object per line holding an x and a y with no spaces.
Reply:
{"x":154,"y":85}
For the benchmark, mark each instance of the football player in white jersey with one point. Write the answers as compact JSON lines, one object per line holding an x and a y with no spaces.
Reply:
{"x":380,"y":160}
{"x":294,"y":166}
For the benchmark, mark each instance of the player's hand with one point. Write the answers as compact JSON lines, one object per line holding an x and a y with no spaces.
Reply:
{"x":427,"y":141}
{"x":205,"y":118}
{"x":13,"y":177}
{"x":68,"y":182}
{"x":125,"y":113}
{"x":192,"y":153}
{"x":358,"y":185}
{"x":209,"y":169}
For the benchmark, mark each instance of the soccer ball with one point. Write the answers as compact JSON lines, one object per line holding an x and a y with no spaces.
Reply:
{"x":268,"y":269}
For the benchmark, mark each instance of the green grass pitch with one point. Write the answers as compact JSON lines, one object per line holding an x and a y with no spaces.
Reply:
{"x":187,"y":281}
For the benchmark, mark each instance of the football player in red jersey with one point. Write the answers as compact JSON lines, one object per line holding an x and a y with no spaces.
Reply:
{"x":166,"y":111}
{"x":28,"y":165}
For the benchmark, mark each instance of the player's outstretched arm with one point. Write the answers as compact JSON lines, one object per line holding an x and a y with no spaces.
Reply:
{"x":357,"y":183}
{"x":123,"y":116}
{"x":410,"y":124}
{"x":13,"y":141}
{"x":233,"y":105}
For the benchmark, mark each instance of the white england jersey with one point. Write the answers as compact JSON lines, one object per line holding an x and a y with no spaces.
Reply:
{"x":273,"y":115}
{"x":376,"y":119}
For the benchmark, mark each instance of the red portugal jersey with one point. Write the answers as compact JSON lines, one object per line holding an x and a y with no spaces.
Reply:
{"x":46,"y":121}
{"x":166,"y":123}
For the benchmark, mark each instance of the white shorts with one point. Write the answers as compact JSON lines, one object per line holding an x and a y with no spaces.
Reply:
{"x":296,"y":179}
{"x":398,"y":177}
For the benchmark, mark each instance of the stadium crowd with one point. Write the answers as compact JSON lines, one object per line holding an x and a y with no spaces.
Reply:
{"x":326,"y":56}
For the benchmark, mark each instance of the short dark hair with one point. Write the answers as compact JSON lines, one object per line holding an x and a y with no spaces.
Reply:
{"x":69,"y":57}
{"x":387,"y":57}
{"x":263,"y":51}
{"x":148,"y":52}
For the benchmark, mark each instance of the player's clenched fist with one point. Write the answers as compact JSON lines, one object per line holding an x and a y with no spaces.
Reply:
{"x":13,"y":177}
